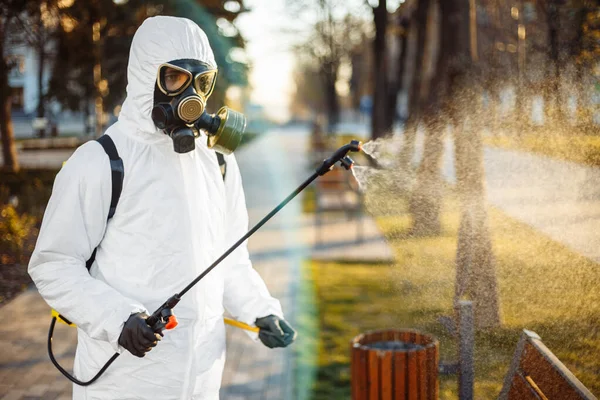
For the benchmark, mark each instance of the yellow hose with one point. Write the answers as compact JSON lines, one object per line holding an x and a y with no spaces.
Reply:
{"x":228,"y":321}
{"x":240,"y":325}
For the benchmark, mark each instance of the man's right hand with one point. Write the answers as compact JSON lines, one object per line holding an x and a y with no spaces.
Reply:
{"x":137,"y":337}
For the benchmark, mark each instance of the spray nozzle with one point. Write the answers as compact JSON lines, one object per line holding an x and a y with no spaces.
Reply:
{"x":341,"y":155}
{"x":347,"y":162}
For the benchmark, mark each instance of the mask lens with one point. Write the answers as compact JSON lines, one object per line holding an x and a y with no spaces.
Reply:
{"x":173,"y":80}
{"x":205,"y":82}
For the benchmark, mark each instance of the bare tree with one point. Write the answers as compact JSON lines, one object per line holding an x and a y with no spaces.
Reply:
{"x":380,"y":65}
{"x":552,"y":12}
{"x":329,"y":45}
{"x":396,"y":83}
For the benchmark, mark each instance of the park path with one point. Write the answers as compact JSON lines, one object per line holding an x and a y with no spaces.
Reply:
{"x":272,"y":167}
{"x":558,"y":198}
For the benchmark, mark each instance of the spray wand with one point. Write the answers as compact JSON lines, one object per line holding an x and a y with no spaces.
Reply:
{"x":163,"y":317}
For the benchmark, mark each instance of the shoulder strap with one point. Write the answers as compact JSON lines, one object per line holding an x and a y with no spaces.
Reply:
{"x":222,"y":163}
{"x":117,"y":175}
{"x":117,"y":170}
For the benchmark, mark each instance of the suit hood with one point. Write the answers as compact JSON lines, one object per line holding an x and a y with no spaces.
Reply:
{"x":158,"y":40}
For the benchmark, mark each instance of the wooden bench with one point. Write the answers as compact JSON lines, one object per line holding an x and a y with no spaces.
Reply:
{"x":337,"y":191}
{"x":536,"y":373}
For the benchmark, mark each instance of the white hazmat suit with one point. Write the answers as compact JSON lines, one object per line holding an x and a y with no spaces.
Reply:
{"x":175,"y":216}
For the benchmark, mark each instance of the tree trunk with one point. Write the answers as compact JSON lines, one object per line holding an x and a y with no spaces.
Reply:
{"x":494,"y":75}
{"x":426,"y":199}
{"x":333,"y":107}
{"x":397,"y":84}
{"x":378,"y":115}
{"x":522,"y":120}
{"x":554,"y":56}
{"x":41,"y":61}
{"x":475,"y":262}
{"x":581,"y":119}
{"x":9,"y":150}
{"x":414,"y":100}
{"x":402,"y":61}
{"x":421,"y":15}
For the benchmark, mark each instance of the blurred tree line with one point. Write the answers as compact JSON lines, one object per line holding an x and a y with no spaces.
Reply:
{"x":532,"y":48}
{"x":86,"y":43}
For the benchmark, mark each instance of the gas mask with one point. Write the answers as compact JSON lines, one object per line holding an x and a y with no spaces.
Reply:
{"x":180,"y":95}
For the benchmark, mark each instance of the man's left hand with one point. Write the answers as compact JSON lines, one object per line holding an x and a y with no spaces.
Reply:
{"x":275,"y":332}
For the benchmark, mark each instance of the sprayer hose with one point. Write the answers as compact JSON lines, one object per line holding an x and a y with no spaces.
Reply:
{"x":63,"y":371}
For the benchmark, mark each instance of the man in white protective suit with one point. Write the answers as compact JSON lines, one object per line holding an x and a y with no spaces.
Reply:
{"x":176,"y":214}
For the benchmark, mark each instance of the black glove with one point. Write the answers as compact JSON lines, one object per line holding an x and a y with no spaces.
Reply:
{"x":275,"y":332}
{"x":137,"y":337}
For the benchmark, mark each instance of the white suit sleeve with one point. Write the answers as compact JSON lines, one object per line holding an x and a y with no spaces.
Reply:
{"x":246,"y":296}
{"x":73,"y":226}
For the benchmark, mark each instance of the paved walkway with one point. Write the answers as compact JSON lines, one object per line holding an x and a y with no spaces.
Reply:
{"x":25,"y":369}
{"x":558,"y":198}
{"x":272,"y":166}
{"x":253,"y":371}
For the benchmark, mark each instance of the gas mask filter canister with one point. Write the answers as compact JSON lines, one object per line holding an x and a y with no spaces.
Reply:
{"x":182,"y":90}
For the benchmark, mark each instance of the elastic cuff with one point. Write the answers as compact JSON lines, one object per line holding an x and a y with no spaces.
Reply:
{"x":276,"y":311}
{"x":118,"y":321}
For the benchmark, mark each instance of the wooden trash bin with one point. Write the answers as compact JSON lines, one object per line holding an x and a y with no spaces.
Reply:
{"x":394,"y":365}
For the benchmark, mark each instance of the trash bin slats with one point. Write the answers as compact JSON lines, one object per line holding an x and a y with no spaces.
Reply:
{"x":387,"y":375}
{"x":394,"y":365}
